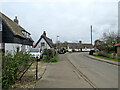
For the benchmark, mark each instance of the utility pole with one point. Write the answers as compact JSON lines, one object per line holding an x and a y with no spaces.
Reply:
{"x":91,"y":34}
{"x":118,"y":22}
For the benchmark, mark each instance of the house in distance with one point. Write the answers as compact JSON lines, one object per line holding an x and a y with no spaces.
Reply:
{"x":14,"y":37}
{"x":44,"y":42}
{"x":79,"y":46}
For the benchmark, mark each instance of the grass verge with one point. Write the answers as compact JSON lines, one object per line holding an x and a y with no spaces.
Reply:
{"x":117,"y":60}
{"x":54,"y":59}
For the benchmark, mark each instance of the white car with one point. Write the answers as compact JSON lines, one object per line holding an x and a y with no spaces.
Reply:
{"x":35,"y":53}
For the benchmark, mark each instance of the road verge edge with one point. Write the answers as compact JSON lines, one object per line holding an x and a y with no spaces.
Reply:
{"x":103,"y":60}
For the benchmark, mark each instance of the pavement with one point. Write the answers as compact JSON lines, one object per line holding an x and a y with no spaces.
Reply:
{"x":103,"y":60}
{"x":61,"y":75}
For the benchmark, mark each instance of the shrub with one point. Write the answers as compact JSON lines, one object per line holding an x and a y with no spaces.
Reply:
{"x":50,"y":53}
{"x":11,"y":66}
{"x":101,"y":53}
{"x":54,"y":59}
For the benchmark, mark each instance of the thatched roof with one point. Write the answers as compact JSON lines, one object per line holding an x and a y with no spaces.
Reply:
{"x":14,"y":27}
{"x":48,"y":40}
{"x":79,"y":45}
{"x":75,"y":45}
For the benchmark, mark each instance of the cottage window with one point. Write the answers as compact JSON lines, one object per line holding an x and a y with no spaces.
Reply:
{"x":42,"y":44}
{"x":23,"y":32}
{"x":26,"y":34}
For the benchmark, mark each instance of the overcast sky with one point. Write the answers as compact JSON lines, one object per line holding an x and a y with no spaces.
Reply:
{"x":69,"y":19}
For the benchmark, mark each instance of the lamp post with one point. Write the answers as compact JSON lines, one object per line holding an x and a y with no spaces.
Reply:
{"x":57,"y":42}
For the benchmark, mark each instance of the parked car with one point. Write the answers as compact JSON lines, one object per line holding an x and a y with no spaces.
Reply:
{"x":61,"y":51}
{"x":36,"y":53}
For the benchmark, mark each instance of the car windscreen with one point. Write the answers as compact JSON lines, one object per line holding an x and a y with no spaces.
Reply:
{"x":34,"y":50}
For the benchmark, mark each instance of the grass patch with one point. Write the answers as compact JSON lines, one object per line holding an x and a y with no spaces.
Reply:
{"x":117,"y":60}
{"x":70,"y":52}
{"x":54,"y":59}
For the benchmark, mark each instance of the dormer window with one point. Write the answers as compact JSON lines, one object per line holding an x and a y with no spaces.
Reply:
{"x":23,"y":32}
{"x":26,"y":34}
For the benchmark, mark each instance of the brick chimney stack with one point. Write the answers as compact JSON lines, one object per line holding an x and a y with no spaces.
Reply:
{"x":16,"y":20}
{"x":44,"y":33}
{"x":80,"y":42}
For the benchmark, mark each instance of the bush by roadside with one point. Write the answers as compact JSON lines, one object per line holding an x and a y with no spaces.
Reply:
{"x":50,"y":53}
{"x":108,"y":55}
{"x":104,"y":54}
{"x":54,"y":59}
{"x":12,"y":66}
{"x":102,"y":57}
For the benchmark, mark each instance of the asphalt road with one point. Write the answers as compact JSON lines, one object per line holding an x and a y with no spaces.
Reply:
{"x":62,"y":75}
{"x":101,"y":74}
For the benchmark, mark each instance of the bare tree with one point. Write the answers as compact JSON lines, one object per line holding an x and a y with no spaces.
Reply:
{"x":108,"y":41}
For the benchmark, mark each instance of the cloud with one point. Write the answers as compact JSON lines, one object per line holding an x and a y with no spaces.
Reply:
{"x":59,"y":1}
{"x":70,"y":20}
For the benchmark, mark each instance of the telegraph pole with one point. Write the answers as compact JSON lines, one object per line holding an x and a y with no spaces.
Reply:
{"x":118,"y":22}
{"x":91,"y":34}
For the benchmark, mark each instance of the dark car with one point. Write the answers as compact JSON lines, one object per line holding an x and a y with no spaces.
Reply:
{"x":61,"y":51}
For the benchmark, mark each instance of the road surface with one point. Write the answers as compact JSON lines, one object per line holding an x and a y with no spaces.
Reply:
{"x":101,"y":74}
{"x":78,"y":71}
{"x":62,"y":75}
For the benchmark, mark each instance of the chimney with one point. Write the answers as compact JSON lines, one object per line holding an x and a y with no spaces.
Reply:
{"x":80,"y":42}
{"x":16,"y":20}
{"x":44,"y":33}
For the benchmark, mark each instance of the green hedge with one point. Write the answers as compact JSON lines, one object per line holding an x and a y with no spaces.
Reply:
{"x":12,"y":66}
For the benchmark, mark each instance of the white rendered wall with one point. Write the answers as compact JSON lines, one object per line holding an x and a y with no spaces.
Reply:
{"x":86,"y":49}
{"x":46,"y":45}
{"x":12,"y":48}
